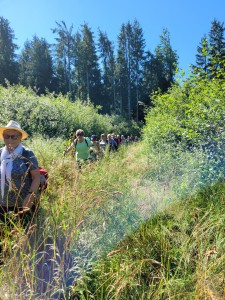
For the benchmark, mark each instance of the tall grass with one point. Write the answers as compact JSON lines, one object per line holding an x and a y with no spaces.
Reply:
{"x":132,"y":226}
{"x":83,"y":214}
{"x":177,"y":251}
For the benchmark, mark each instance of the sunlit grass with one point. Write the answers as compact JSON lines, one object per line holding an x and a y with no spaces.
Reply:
{"x":125,"y":227}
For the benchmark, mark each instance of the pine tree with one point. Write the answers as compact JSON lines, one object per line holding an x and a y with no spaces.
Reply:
{"x":138,"y":59}
{"x":105,"y":48}
{"x":152,"y":76}
{"x":87,"y":77}
{"x":130,"y":61}
{"x":210,"y":60}
{"x":35,"y":65}
{"x":167,"y":61}
{"x":64,"y":56}
{"x":217,"y":49}
{"x":8,"y":63}
{"x":202,"y":58}
{"x":122,"y":70}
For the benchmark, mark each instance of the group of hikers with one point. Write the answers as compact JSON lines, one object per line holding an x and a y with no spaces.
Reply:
{"x":92,"y":148}
{"x":20,"y":177}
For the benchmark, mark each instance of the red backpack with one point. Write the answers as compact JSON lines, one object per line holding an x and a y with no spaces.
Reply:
{"x":43,"y":172}
{"x":43,"y":179}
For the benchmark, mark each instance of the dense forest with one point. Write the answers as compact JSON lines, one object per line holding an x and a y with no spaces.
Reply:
{"x":120,"y":81}
{"x":145,"y":222}
{"x":119,"y":77}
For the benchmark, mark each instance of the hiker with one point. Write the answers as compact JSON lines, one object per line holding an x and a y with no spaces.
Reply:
{"x":118,"y":140}
{"x":123,"y":139}
{"x":103,"y":141}
{"x":82,"y":145}
{"x":96,"y":150}
{"x":111,"y":143}
{"x":20,"y":177}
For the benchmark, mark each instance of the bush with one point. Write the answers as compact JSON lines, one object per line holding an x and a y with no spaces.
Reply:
{"x":57,"y":116}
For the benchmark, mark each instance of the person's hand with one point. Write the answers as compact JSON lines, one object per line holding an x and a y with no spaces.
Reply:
{"x":28,"y":202}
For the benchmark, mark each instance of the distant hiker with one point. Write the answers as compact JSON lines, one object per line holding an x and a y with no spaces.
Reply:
{"x":111,"y":143}
{"x":103,"y":141}
{"x":118,"y":140}
{"x":123,"y":139}
{"x":96,"y":150}
{"x":20,"y":176}
{"x":81,"y":145}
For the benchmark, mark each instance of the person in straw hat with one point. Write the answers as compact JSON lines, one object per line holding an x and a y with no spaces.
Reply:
{"x":19,"y":176}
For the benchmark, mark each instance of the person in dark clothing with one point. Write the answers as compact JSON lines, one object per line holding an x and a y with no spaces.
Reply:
{"x":19,"y":176}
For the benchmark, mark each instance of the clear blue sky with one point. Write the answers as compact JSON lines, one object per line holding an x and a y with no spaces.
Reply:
{"x":186,"y":20}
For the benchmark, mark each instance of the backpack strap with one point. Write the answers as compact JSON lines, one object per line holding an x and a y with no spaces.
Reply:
{"x":25,"y":157}
{"x":75,"y":144}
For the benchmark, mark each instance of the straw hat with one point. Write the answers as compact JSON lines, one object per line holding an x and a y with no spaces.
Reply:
{"x":13,"y":125}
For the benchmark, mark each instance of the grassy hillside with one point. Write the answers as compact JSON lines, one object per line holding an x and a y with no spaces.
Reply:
{"x":146,"y":222}
{"x":177,"y":251}
{"x":117,"y":231}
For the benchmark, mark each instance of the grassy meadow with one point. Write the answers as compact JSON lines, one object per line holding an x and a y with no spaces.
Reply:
{"x":136,"y":225}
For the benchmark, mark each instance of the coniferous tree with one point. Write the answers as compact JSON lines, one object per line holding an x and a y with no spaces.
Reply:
{"x":35,"y":65}
{"x":64,"y":56}
{"x":217,"y":49}
{"x":167,"y":61}
{"x":138,"y":59}
{"x":210,"y":60}
{"x":122,"y":72}
{"x":202,"y":58}
{"x":130,"y":61}
{"x":87,"y":78}
{"x":8,"y":63}
{"x":152,"y":76}
{"x":105,"y":48}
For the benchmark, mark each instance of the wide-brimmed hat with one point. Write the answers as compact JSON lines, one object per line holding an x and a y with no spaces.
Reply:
{"x":13,"y":125}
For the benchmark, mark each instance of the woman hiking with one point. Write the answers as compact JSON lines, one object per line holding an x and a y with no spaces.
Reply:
{"x":82,"y":145}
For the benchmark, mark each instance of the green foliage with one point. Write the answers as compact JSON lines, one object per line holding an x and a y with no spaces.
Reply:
{"x":8,"y":64}
{"x":36,"y":66}
{"x":210,"y":60}
{"x":187,"y":117}
{"x":53,"y":116}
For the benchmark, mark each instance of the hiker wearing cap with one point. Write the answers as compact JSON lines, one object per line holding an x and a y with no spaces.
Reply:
{"x":82,"y":145}
{"x":96,"y":151}
{"x":19,"y":176}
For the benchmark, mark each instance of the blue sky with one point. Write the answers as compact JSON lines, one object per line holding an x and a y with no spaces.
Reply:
{"x":186,"y":20}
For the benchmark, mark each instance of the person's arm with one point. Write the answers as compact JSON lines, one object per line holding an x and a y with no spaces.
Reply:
{"x":69,"y":149}
{"x":30,"y":198}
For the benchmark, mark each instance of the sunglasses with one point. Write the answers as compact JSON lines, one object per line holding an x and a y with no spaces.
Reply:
{"x":13,"y":137}
{"x":80,"y":134}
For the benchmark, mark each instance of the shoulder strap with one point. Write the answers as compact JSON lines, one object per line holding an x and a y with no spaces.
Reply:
{"x":25,"y":153}
{"x":25,"y":156}
{"x":86,"y":141}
